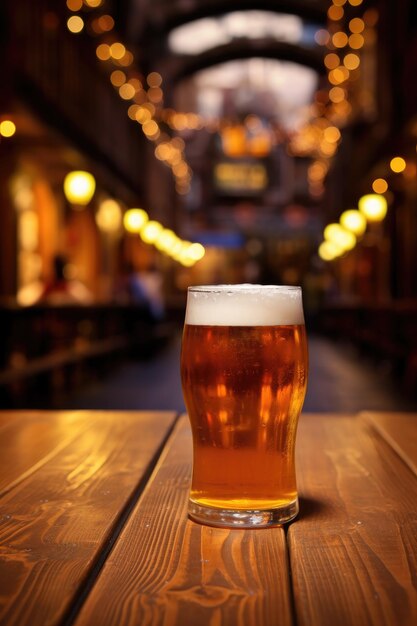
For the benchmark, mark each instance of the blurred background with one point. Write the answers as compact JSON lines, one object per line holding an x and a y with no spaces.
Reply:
{"x":146,"y":146}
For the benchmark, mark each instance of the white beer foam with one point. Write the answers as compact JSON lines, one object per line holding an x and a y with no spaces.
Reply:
{"x":244,"y":305}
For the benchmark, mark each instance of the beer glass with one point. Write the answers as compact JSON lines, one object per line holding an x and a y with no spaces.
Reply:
{"x":244,"y":373}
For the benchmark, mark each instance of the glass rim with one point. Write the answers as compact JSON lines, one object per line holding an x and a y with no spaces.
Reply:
{"x":242,"y":288}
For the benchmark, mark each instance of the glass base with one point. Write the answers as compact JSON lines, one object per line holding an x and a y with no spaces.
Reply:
{"x":243,"y":518}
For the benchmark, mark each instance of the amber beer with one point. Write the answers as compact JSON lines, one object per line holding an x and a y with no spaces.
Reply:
{"x":244,"y":371}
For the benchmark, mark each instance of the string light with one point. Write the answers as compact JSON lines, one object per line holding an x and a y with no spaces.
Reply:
{"x":134,"y":220}
{"x":79,"y":187}
{"x":380,"y":185}
{"x":74,"y":5}
{"x":75,"y":24}
{"x":397,"y":164}
{"x":171,"y":154}
{"x":354,"y":221}
{"x":373,"y":206}
{"x":7,"y":128}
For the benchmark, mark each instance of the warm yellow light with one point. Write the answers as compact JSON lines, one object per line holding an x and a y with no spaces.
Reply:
{"x":338,"y":75}
{"x":28,"y":230}
{"x":196,"y":251}
{"x":184,"y":257}
{"x":117,"y":50}
{"x":155,"y":94}
{"x":154,"y":79}
{"x":331,"y":60}
{"x":356,"y":41}
{"x":331,"y":134}
{"x":109,"y":216}
{"x":180,"y":169}
{"x":337,"y":94}
{"x":340,"y":39}
{"x":327,"y":148}
{"x":339,"y":3}
{"x":106,"y":23}
{"x":373,"y":206}
{"x":328,"y":251}
{"x":317,"y":171}
{"x":7,"y":128}
{"x":163,"y":151}
{"x":354,"y":221}
{"x":126,"y":60}
{"x":74,"y":5}
{"x":335,"y":13}
{"x":103,"y":52}
{"x":398,"y":164}
{"x":151,"y":129}
{"x":93,"y":3}
{"x":355,"y":3}
{"x":134,"y":220}
{"x":150,"y":231}
{"x":127,"y":91}
{"x":338,"y":235}
{"x":136,"y":84}
{"x":380,"y":185}
{"x":142,"y":115}
{"x":117,"y":78}
{"x":356,"y":25}
{"x":181,"y":254}
{"x":75,"y":24}
{"x":79,"y":187}
{"x":351,"y":61}
{"x":166,"y":240}
{"x":132,"y":110}
{"x":176,"y":249}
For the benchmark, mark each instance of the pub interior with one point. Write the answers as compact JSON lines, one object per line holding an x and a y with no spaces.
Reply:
{"x":146,"y":146}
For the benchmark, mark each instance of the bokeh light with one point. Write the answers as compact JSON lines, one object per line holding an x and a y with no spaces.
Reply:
{"x":134,"y":219}
{"x":75,"y":24}
{"x":373,"y":206}
{"x":354,"y":221}
{"x":7,"y":128}
{"x":150,"y":231}
{"x":109,"y":216}
{"x":338,"y":235}
{"x":398,"y":164}
{"x":380,"y":185}
{"x":79,"y":187}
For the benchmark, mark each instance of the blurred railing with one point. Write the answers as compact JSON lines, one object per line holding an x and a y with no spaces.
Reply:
{"x":386,"y":333}
{"x":46,"y":351}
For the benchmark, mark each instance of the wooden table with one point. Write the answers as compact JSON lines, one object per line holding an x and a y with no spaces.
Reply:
{"x":94,"y":529}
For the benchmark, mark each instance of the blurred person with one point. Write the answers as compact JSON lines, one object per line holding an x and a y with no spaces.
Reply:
{"x":142,"y":288}
{"x":146,"y":288}
{"x":62,"y":290}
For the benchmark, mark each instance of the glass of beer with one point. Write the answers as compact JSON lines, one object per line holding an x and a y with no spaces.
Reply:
{"x":244,"y":372}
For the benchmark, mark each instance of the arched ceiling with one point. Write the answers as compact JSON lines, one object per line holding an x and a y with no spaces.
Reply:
{"x":243,"y":49}
{"x":148,"y":23}
{"x":158,"y":17}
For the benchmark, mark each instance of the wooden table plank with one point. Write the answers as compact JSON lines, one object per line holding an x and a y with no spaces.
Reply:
{"x":30,"y":439}
{"x":55,"y":522}
{"x":400,"y":431}
{"x":353,"y":551}
{"x":166,"y":569}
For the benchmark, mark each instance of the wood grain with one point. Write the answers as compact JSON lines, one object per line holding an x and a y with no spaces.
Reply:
{"x":353,"y":551}
{"x":55,"y":522}
{"x":30,"y":439}
{"x":400,"y":431}
{"x":167,"y":570}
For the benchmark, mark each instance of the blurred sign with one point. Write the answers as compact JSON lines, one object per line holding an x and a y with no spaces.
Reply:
{"x":240,"y":177}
